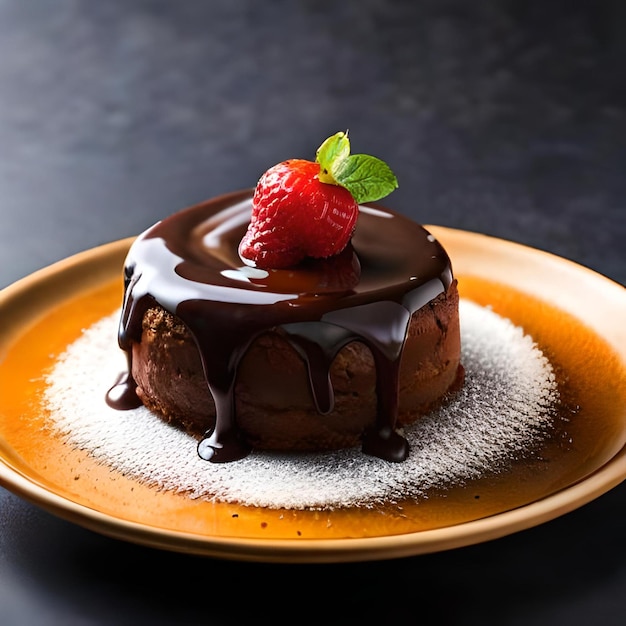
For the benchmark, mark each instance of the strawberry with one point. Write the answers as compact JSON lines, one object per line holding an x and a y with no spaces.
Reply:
{"x":294,"y":216}
{"x":306,"y":208}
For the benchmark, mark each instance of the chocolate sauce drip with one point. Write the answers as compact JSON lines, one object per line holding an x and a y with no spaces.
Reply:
{"x":188,"y":264}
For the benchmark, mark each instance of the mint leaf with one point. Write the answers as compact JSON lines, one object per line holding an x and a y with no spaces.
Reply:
{"x":367,"y":178}
{"x":334,"y":150}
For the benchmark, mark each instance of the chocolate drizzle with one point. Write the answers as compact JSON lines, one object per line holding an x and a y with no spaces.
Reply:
{"x":188,"y":264}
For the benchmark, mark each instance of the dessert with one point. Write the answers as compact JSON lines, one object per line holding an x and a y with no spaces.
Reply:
{"x":298,"y":317}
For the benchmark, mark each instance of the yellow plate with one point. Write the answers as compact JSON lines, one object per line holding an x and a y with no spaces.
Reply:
{"x":574,"y":314}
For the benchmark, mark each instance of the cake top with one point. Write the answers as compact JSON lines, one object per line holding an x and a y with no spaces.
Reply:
{"x":306,"y":208}
{"x":192,"y":255}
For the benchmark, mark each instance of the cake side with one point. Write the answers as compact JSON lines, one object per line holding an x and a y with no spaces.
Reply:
{"x":273,"y":403}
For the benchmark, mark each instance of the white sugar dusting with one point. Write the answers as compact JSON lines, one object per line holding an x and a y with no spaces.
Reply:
{"x":502,"y":412}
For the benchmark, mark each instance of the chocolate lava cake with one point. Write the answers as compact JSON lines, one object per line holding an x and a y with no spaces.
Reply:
{"x":303,"y":359}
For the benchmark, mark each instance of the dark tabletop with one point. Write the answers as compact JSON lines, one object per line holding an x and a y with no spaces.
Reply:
{"x":503,"y":117}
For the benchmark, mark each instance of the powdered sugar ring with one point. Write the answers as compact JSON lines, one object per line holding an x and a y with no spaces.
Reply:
{"x":502,"y":412}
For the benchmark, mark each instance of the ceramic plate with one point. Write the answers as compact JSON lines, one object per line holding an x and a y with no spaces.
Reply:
{"x":575,"y":316}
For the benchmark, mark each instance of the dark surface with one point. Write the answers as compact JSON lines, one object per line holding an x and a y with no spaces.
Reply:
{"x":507,"y":118}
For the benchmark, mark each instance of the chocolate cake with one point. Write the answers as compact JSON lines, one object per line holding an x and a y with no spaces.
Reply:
{"x":331,"y":353}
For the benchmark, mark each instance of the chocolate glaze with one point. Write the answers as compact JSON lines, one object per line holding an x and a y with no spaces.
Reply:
{"x":188,"y":264}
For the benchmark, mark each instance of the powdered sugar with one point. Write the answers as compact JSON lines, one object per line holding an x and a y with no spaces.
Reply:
{"x":502,"y":412}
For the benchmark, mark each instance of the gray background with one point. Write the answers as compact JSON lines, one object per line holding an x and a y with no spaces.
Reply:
{"x":502,"y":117}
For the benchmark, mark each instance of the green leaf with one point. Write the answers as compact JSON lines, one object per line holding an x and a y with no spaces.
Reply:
{"x":335,"y":149}
{"x":367,"y":178}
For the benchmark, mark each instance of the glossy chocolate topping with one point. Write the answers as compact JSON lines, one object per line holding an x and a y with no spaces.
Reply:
{"x":189,"y":265}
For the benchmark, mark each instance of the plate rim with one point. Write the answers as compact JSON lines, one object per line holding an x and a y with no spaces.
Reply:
{"x":106,"y":258}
